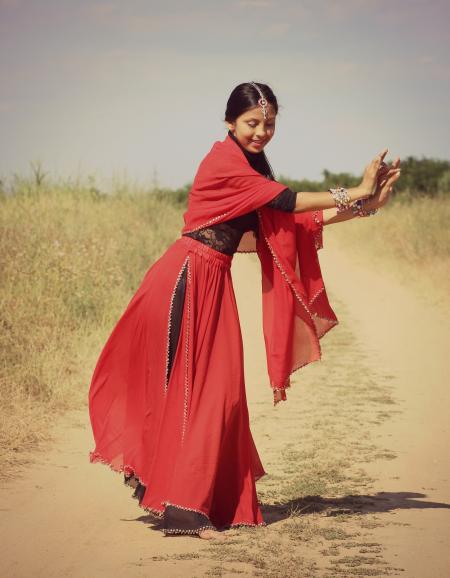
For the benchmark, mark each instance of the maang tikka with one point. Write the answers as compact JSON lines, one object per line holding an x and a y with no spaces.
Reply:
{"x":262,"y":101}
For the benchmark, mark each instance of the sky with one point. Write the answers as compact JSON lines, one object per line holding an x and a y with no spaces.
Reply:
{"x":137,"y":89}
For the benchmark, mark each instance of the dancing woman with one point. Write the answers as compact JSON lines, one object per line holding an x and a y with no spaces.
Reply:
{"x":167,"y":399}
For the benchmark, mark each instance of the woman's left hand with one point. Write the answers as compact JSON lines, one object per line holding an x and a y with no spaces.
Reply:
{"x":385,"y":181}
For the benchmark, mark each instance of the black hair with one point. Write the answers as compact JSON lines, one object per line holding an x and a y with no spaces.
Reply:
{"x":244,"y":97}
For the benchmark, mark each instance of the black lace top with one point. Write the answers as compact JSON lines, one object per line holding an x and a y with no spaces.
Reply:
{"x":225,"y":237}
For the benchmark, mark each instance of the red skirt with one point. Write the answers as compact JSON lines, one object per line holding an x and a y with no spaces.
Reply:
{"x":183,"y":433}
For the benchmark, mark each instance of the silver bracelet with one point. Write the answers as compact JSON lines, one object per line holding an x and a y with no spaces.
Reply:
{"x":358,"y":209}
{"x":341,"y":198}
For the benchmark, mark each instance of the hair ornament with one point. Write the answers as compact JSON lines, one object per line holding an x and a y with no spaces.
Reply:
{"x":262,"y":101}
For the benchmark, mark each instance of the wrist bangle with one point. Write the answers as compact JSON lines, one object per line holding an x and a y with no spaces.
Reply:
{"x":341,"y":198}
{"x":358,"y":209}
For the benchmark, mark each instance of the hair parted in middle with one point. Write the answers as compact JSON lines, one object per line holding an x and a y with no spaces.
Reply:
{"x":245,"y":96}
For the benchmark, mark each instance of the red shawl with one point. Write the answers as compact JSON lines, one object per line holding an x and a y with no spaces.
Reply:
{"x":296,"y":311}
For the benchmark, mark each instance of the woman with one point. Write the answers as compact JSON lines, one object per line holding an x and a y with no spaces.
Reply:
{"x":167,"y":399}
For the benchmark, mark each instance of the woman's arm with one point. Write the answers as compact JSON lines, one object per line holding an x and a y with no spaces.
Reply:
{"x":331,"y":216}
{"x":324,"y":200}
{"x":385,"y":182}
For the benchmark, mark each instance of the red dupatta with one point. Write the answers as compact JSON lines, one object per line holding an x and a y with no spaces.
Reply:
{"x":296,"y":311}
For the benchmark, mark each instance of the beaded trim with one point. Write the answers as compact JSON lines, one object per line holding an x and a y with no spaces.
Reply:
{"x":247,"y":251}
{"x":208,"y":222}
{"x":186,"y":349}
{"x":300,"y":365}
{"x":318,"y":242}
{"x":169,"y":324}
{"x":167,"y":503}
{"x":198,"y":530}
{"x":188,"y":531}
{"x":252,"y":524}
{"x":275,"y":258}
{"x":281,"y":388}
{"x":295,"y":293}
{"x":158,"y":513}
{"x":319,"y":233}
{"x":333,"y":324}
{"x":96,"y":457}
{"x":182,"y":531}
{"x":316,"y":294}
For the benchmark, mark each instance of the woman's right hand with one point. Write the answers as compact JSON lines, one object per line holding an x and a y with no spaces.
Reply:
{"x":368,"y":185}
{"x":387,"y":178}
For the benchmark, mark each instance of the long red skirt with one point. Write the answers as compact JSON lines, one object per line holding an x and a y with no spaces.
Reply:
{"x":185,"y":433}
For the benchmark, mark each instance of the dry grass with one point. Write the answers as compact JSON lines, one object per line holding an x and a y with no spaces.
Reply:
{"x":411,"y":238}
{"x":71,"y":260}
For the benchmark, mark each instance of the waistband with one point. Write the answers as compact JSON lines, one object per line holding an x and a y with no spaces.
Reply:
{"x":205,"y":250}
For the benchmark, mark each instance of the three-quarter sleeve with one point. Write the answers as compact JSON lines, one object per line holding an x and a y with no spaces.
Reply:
{"x":284,"y":201}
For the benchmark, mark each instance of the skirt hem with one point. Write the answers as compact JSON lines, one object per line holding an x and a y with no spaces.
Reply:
{"x":95,"y":457}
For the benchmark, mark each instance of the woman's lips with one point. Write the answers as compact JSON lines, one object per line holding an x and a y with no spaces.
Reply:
{"x":257,"y":143}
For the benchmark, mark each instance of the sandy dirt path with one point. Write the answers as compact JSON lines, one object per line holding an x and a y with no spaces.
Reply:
{"x":66,"y":517}
{"x":411,"y":340}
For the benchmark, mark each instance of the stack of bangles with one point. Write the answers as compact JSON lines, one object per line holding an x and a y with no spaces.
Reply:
{"x":342,"y":201}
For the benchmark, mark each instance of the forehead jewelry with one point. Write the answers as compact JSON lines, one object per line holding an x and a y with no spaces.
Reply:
{"x":262,"y":101}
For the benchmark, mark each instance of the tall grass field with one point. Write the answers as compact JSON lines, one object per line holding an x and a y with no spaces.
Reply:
{"x":70,"y":262}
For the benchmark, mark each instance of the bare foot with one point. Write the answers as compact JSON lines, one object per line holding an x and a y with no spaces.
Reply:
{"x":209,"y":534}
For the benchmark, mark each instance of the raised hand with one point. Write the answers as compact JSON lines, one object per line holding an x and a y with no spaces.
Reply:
{"x":386,"y":178}
{"x":371,"y":172}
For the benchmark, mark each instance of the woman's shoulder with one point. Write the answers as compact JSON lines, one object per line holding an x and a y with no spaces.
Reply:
{"x":223,"y":159}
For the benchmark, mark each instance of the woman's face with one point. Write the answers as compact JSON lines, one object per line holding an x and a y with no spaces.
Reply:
{"x":251,"y":129}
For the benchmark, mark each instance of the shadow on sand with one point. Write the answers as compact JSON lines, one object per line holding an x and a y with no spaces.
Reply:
{"x":357,"y":504}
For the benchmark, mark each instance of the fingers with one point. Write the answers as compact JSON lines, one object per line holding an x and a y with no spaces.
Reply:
{"x":396,"y":164}
{"x":394,"y":176}
{"x":378,"y":160}
{"x":386,"y":180}
{"x":384,"y":167}
{"x":378,"y":174}
{"x":382,"y":154}
{"x":385,"y":191}
{"x":386,"y":187}
{"x":392,"y":172}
